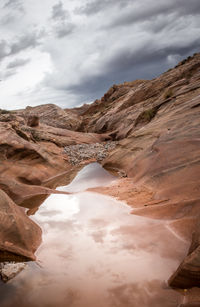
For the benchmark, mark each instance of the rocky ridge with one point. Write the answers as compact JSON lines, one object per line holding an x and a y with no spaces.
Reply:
{"x":156,"y":126}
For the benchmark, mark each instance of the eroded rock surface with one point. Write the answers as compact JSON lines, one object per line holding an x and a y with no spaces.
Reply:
{"x":52,"y":115}
{"x":188,"y":273}
{"x":19,"y":236}
{"x":156,"y":126}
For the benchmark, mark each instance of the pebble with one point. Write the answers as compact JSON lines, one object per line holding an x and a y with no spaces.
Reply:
{"x":81,"y":152}
{"x":8,"y":270}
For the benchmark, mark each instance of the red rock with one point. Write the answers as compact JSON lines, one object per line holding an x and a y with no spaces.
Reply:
{"x":19,"y":236}
{"x":157,"y":124}
{"x":33,"y":121}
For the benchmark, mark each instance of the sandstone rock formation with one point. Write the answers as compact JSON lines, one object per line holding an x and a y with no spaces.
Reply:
{"x":52,"y":115}
{"x":33,"y":121}
{"x":32,"y":156}
{"x":156,"y":126}
{"x":19,"y":236}
{"x":188,"y":273}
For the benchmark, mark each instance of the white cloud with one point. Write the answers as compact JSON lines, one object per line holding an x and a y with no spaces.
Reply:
{"x":17,"y":89}
{"x":17,"y":63}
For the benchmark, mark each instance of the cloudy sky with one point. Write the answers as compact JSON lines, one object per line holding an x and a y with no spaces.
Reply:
{"x":69,"y":52}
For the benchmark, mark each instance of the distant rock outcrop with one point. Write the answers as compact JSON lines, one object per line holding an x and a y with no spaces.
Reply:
{"x":52,"y":115}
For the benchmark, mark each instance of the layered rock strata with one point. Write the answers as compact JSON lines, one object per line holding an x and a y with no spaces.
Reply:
{"x":156,"y":126}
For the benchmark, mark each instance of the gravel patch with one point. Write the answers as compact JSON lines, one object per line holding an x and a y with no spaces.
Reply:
{"x":81,"y":152}
{"x":8,"y":270}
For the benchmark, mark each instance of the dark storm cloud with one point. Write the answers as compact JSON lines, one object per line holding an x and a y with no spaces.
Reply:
{"x":3,"y":49}
{"x":62,"y":25}
{"x":96,"y":6}
{"x":185,"y":7}
{"x":17,"y":63}
{"x":110,"y":41}
{"x":30,"y":40}
{"x":157,"y":24}
{"x":64,"y":29}
{"x":58,"y":12}
{"x":12,"y":68}
{"x":153,"y":10}
{"x":129,"y":61}
{"x":149,"y":53}
{"x":14,"y":4}
{"x":139,"y":11}
{"x":139,"y":15}
{"x":12,"y":10}
{"x":146,"y":63}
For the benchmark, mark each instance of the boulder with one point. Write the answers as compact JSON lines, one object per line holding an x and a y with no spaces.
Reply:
{"x":33,"y":121}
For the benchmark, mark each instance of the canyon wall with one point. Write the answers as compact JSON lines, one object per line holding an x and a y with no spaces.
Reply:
{"x":155,"y":126}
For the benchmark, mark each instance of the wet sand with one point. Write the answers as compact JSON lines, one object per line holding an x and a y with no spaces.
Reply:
{"x":96,"y":253}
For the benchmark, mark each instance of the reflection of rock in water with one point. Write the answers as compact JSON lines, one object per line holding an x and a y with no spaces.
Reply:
{"x":191,"y":298}
{"x":8,"y":270}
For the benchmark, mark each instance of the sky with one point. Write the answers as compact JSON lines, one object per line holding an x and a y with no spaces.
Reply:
{"x":69,"y":52}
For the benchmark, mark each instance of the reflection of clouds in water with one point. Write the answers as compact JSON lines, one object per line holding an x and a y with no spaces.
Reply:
{"x":94,"y":253}
{"x":97,"y":223}
{"x":94,"y":272}
{"x":65,"y":226}
{"x":58,"y":248}
{"x":53,"y":251}
{"x":97,"y":229}
{"x":49,"y":213}
{"x":146,"y":294}
{"x":90,"y":176}
{"x":117,"y":278}
{"x":131,"y":247}
{"x":68,"y":254}
{"x":151,"y":237}
{"x":45,"y":296}
{"x":98,"y":235}
{"x":63,"y":206}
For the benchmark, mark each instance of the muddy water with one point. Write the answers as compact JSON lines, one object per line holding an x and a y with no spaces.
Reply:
{"x":96,"y":254}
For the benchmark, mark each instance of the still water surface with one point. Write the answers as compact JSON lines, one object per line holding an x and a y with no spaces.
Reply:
{"x":96,"y":254}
